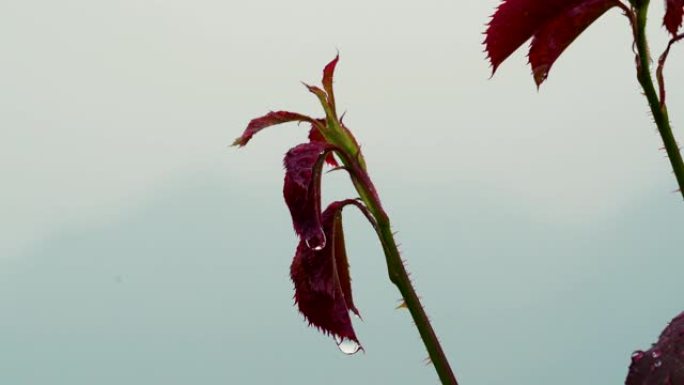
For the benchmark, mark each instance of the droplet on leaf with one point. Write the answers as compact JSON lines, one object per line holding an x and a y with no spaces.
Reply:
{"x":347,"y":346}
{"x":316,"y":241}
{"x":637,"y":355}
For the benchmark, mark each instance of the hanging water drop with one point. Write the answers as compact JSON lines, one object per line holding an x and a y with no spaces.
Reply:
{"x":347,"y":346}
{"x":315,"y":241}
{"x":656,"y":354}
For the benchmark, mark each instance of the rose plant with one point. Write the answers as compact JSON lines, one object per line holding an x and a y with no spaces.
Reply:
{"x":320,"y":268}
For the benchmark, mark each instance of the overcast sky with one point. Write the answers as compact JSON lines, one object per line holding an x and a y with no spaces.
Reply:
{"x":541,"y":227}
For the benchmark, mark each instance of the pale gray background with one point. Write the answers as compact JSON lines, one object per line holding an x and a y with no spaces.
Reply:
{"x":137,"y":248}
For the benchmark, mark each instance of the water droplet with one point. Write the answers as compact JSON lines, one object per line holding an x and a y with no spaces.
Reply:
{"x":316,"y":241}
{"x":347,"y":346}
{"x":658,"y":364}
{"x":656,"y":354}
{"x":637,"y":355}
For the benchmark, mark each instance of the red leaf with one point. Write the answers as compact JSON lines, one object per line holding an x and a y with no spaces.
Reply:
{"x":558,"y":33}
{"x":340,"y":256}
{"x":302,"y":190}
{"x":316,"y":136}
{"x":674,"y":13}
{"x":270,"y":119}
{"x":663,"y":364}
{"x":515,"y":21}
{"x":322,"y":282}
{"x":328,"y":73}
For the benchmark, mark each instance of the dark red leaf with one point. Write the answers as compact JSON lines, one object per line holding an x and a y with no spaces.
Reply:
{"x":316,"y":136}
{"x":663,"y":364}
{"x":340,"y":256}
{"x":560,"y":31}
{"x":270,"y":119}
{"x":322,"y":282}
{"x":515,"y":21}
{"x":674,"y":13}
{"x":302,"y":190}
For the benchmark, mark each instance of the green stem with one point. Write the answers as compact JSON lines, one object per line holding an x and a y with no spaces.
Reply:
{"x":399,"y":277}
{"x":658,"y":107}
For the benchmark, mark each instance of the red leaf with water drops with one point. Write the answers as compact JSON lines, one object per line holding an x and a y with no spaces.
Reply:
{"x":674,"y":13}
{"x":302,"y":190}
{"x":559,"y":32}
{"x":553,"y":25}
{"x":270,"y":119}
{"x":515,"y":21}
{"x":663,"y":364}
{"x":322,"y":282}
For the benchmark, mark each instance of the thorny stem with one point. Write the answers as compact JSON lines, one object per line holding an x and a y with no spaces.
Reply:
{"x":658,"y":106}
{"x":399,"y":276}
